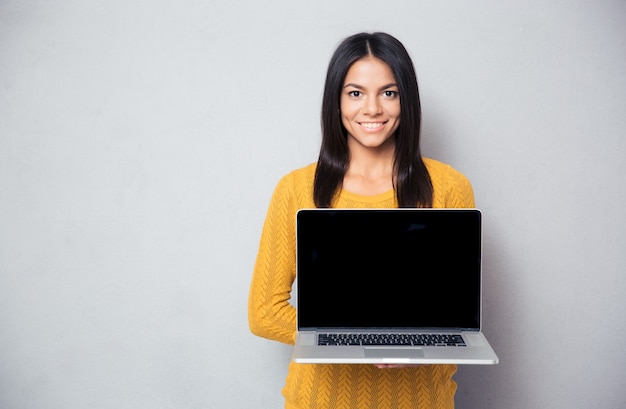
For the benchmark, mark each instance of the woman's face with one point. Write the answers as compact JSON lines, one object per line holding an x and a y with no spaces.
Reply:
{"x":370,"y":104}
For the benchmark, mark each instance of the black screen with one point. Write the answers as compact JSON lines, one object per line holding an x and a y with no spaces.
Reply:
{"x":400,"y":268}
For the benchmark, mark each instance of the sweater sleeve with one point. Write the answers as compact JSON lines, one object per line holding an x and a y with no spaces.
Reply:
{"x":270,"y":314}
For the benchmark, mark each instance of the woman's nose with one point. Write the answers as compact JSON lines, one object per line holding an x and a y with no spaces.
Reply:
{"x":372,"y":106}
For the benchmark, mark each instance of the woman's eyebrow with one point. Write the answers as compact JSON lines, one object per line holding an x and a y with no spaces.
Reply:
{"x":357,"y":86}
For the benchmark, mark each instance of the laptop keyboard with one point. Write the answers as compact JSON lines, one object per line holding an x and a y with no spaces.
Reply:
{"x":391,"y":339}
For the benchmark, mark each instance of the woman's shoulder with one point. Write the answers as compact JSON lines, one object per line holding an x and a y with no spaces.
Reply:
{"x":305,"y":171}
{"x":451,"y":188}
{"x":438,"y":169}
{"x":297,"y":184}
{"x":300,"y":177}
{"x":437,"y":166}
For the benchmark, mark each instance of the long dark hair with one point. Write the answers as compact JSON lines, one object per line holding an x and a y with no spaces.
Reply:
{"x":412,"y":181}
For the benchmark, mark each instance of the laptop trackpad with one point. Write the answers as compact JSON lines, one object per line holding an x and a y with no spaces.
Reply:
{"x":393,"y":353}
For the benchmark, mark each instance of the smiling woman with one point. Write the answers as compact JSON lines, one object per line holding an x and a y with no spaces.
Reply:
{"x":369,"y":158}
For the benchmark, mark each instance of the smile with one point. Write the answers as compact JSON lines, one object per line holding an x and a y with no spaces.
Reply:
{"x":371,"y":125}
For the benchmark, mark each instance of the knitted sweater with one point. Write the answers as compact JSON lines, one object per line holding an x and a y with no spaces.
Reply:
{"x":272,"y":316}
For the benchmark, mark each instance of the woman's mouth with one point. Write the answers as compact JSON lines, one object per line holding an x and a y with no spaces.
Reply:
{"x":370,"y":126}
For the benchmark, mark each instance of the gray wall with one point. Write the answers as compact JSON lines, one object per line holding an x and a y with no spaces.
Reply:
{"x":140,"y":142}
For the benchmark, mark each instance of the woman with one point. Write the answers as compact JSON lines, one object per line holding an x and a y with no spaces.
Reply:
{"x":369,"y":158}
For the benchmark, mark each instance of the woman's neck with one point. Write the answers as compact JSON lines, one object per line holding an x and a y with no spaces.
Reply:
{"x":370,"y":171}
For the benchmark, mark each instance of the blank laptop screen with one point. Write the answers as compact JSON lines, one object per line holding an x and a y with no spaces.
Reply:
{"x":389,"y":268}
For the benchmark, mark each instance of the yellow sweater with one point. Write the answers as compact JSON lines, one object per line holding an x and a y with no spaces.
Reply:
{"x":272,"y":316}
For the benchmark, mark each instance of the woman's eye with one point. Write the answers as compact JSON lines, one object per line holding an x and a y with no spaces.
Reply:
{"x":390,"y":94}
{"x":354,"y":94}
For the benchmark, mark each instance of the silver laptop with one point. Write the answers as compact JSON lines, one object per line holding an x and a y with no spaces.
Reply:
{"x":395,"y":286}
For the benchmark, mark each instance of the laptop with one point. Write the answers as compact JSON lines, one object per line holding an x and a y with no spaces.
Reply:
{"x":389,"y":286}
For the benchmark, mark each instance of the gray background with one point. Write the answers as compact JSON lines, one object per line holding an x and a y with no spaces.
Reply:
{"x":140,"y":142}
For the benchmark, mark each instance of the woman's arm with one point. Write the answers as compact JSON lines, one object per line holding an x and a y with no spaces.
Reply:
{"x":270,"y":315}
